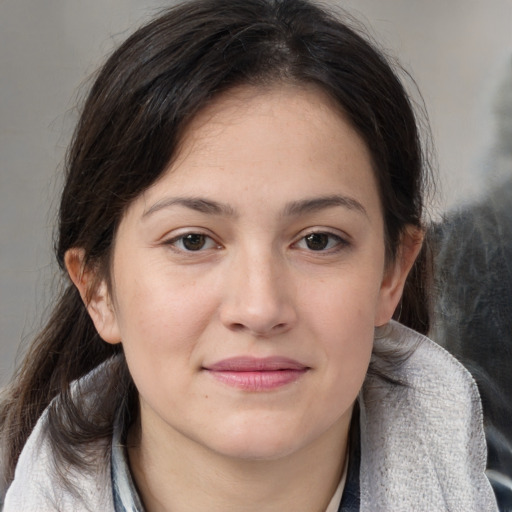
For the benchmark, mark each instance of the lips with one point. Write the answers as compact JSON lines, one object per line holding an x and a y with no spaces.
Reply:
{"x":257,"y":374}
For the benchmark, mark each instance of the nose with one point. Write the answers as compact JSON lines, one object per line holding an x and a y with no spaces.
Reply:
{"x":258,"y":297}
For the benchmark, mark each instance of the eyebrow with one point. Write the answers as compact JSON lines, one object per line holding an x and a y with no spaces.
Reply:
{"x":194,"y":203}
{"x":315,"y":204}
{"x":293,"y":209}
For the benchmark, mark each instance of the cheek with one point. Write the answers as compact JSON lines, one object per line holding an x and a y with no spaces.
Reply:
{"x":344,"y":302}
{"x":349,"y":357}
{"x":344,"y":370}
{"x":161,"y":322}
{"x":348,"y":343}
{"x":162,"y":330}
{"x":342,"y":317}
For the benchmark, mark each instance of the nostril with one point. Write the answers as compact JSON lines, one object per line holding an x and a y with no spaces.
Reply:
{"x":238,"y":327}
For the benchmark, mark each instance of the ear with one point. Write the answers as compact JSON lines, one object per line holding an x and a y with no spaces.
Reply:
{"x":95,"y":295}
{"x":396,"y":273}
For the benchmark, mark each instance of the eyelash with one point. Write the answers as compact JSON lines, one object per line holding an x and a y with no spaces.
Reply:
{"x":180,"y":239}
{"x":333,"y":242}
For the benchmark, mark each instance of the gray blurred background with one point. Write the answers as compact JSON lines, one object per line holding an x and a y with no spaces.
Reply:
{"x":457,"y":50}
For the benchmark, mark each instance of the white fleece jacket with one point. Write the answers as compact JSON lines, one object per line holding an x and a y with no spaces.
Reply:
{"x":422,"y":444}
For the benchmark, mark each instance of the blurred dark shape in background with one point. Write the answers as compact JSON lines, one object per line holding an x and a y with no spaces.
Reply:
{"x":473,"y":296}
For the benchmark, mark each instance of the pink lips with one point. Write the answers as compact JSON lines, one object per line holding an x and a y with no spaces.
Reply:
{"x":254,"y":374}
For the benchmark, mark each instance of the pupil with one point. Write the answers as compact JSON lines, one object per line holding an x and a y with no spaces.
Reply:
{"x":317,"y":241}
{"x":194,"y":241}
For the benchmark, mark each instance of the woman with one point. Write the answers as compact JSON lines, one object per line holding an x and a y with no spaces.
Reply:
{"x":242,"y":209}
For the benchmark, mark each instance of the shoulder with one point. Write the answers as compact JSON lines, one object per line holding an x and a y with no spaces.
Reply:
{"x":422,"y":442}
{"x":41,"y":483}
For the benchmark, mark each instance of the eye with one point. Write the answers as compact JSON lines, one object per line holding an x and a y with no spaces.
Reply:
{"x":193,"y":242}
{"x":320,"y":241}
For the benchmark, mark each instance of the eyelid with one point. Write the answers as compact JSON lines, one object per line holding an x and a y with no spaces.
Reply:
{"x":171,"y":241}
{"x":342,"y":238}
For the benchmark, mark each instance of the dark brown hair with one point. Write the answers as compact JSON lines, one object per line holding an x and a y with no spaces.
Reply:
{"x":142,"y":100}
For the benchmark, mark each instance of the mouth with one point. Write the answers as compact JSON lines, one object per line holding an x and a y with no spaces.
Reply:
{"x":255,"y":374}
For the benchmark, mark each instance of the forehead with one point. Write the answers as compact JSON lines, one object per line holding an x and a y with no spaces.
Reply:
{"x":252,"y":141}
{"x":303,"y":110}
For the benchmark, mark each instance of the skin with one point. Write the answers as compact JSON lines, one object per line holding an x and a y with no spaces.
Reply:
{"x":291,"y":263}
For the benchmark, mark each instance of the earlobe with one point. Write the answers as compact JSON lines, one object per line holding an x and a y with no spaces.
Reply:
{"x":95,"y":295}
{"x":395,"y":275}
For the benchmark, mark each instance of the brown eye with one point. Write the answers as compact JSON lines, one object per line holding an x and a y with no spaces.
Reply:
{"x":322,"y":241}
{"x":194,"y":241}
{"x":317,"y":241}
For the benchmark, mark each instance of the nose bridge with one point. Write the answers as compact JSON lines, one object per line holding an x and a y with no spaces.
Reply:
{"x":258,"y":299}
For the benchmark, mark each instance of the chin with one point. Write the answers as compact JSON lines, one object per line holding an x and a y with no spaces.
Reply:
{"x":258,"y":443}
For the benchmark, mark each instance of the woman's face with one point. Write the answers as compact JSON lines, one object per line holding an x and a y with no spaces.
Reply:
{"x":248,"y":280}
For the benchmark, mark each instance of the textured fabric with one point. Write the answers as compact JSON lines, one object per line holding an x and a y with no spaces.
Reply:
{"x":36,"y":487}
{"x":422,"y":444}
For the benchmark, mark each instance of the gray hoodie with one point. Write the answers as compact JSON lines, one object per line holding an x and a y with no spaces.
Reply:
{"x":422,"y":443}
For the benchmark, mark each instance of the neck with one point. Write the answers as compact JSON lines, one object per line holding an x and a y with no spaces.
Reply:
{"x":182,"y":476}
